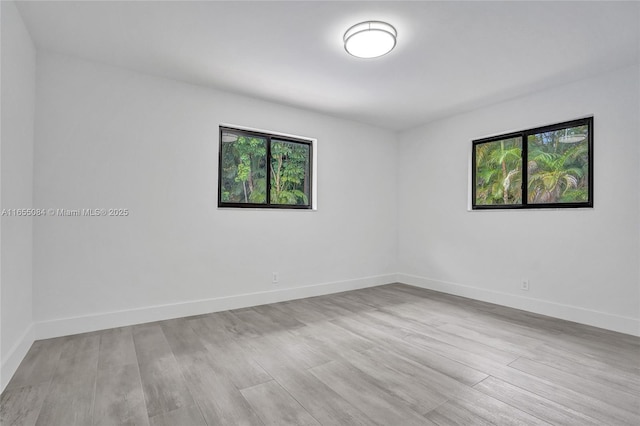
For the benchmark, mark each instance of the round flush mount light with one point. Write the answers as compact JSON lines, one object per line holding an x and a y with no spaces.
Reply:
{"x":370,"y":39}
{"x":229,"y":137}
{"x":572,"y":138}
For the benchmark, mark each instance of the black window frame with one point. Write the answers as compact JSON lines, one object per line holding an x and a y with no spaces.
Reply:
{"x":268,"y":137}
{"x":524,"y":135}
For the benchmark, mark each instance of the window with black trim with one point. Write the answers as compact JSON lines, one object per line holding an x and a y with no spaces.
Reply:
{"x":263,"y":170}
{"x":558,"y":172}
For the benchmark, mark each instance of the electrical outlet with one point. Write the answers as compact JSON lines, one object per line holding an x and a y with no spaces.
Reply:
{"x":274,"y":280}
{"x":524,"y":285}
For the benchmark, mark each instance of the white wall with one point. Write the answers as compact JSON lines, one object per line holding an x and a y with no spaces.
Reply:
{"x":18,"y":102}
{"x":107,"y":137}
{"x":582,"y":263}
{"x":110,"y":138}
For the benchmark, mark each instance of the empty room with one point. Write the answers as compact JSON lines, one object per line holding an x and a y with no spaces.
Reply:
{"x":320,"y":213}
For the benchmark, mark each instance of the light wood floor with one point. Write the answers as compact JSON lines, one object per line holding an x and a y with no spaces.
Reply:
{"x":392,"y":355}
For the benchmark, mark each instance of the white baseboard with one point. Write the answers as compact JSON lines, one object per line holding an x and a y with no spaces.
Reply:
{"x":577,"y":314}
{"x":15,"y":356}
{"x":101,"y":321}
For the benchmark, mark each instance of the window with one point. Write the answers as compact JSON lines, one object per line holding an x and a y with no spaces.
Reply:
{"x":558,"y":172}
{"x":264,"y":170}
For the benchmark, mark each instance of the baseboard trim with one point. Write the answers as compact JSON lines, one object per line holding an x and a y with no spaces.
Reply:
{"x":15,"y":356}
{"x":87,"y":323}
{"x":577,"y":314}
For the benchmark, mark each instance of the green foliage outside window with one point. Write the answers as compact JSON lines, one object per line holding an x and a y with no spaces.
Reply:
{"x":559,"y":166}
{"x":289,"y":173}
{"x":558,"y":162}
{"x":499,"y":172}
{"x":244,"y":170}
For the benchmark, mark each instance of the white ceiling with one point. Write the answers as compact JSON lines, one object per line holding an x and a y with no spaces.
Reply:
{"x":450,"y":56}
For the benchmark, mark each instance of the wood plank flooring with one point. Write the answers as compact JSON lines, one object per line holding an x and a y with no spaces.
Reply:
{"x":388,"y":355}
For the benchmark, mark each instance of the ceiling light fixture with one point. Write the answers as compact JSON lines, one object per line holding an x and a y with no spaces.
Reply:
{"x":229,"y":137}
{"x":571,"y":138}
{"x":370,"y":39}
